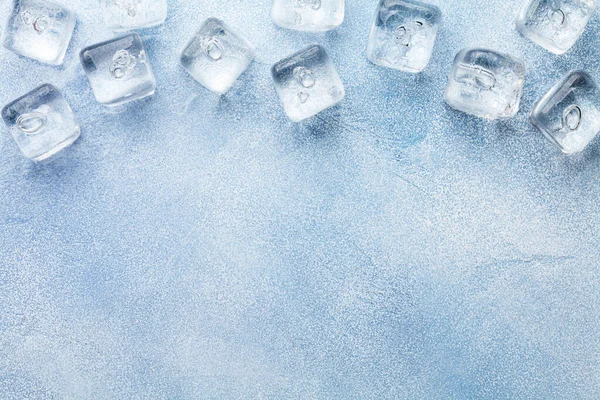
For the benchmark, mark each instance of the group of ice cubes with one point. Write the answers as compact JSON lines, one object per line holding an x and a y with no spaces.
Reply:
{"x":482,"y":82}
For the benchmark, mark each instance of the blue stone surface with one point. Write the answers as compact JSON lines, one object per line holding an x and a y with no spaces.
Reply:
{"x":197,"y":246}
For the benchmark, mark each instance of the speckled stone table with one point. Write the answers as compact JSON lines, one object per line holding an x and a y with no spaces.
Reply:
{"x":192,"y":246}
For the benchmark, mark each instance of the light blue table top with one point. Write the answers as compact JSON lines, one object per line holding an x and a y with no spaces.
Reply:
{"x":191,"y":246}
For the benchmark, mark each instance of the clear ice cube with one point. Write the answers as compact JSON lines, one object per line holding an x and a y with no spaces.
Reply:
{"x":118,"y":70}
{"x":125,"y":15}
{"x":41,"y":122}
{"x":308,"y":15}
{"x":486,"y":84}
{"x":555,"y":24}
{"x":40,"y":30}
{"x":569,"y":114}
{"x":403,"y":34}
{"x":216,"y":56}
{"x":307,"y":83}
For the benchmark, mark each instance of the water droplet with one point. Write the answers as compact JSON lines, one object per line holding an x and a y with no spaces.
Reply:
{"x":32,"y":123}
{"x":214,"y":49}
{"x":40,"y":24}
{"x":557,"y":17}
{"x":305,"y":77}
{"x":303,"y":97}
{"x":572,"y":118}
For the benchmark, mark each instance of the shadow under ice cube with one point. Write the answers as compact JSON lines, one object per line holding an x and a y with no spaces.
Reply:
{"x":569,"y":114}
{"x":41,"y":122}
{"x":308,"y":15}
{"x":216,"y":56}
{"x":403,"y":34}
{"x":555,"y":24}
{"x":307,"y":83}
{"x":486,"y":84}
{"x":118,"y":70}
{"x":125,"y":15}
{"x":39,"y":29}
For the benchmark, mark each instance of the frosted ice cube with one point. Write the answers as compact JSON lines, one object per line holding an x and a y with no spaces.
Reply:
{"x":41,"y":122}
{"x":124,"y":15}
{"x":308,"y":15}
{"x":555,"y":24}
{"x":403,"y":34}
{"x":118,"y":70}
{"x":216,"y":56}
{"x":569,"y":114}
{"x":307,"y":83}
{"x":40,"y":30}
{"x":486,"y":84}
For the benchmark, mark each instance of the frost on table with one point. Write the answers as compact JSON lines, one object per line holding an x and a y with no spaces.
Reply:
{"x":486,"y":84}
{"x":40,"y":30}
{"x":124,"y":15}
{"x":118,"y":70}
{"x":41,"y":122}
{"x":308,"y":15}
{"x":307,"y":83}
{"x":216,"y":56}
{"x":403,"y":34}
{"x":555,"y":24}
{"x":569,"y":114}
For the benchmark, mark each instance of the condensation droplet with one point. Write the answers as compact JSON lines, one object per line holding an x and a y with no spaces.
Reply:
{"x":305,"y":77}
{"x":214,"y":49}
{"x":572,"y":118}
{"x":32,"y":123}
{"x":40,"y":24}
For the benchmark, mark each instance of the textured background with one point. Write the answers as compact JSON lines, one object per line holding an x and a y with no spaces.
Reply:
{"x":191,"y":246}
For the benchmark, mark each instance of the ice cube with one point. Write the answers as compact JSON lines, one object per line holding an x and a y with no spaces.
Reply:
{"x":308,"y":15}
{"x":569,"y":114}
{"x":403,"y":34}
{"x":555,"y":24}
{"x":486,"y":84}
{"x":216,"y":56}
{"x":125,"y":15}
{"x":41,"y":122}
{"x":118,"y":70}
{"x":40,"y":30}
{"x":307,"y":83}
